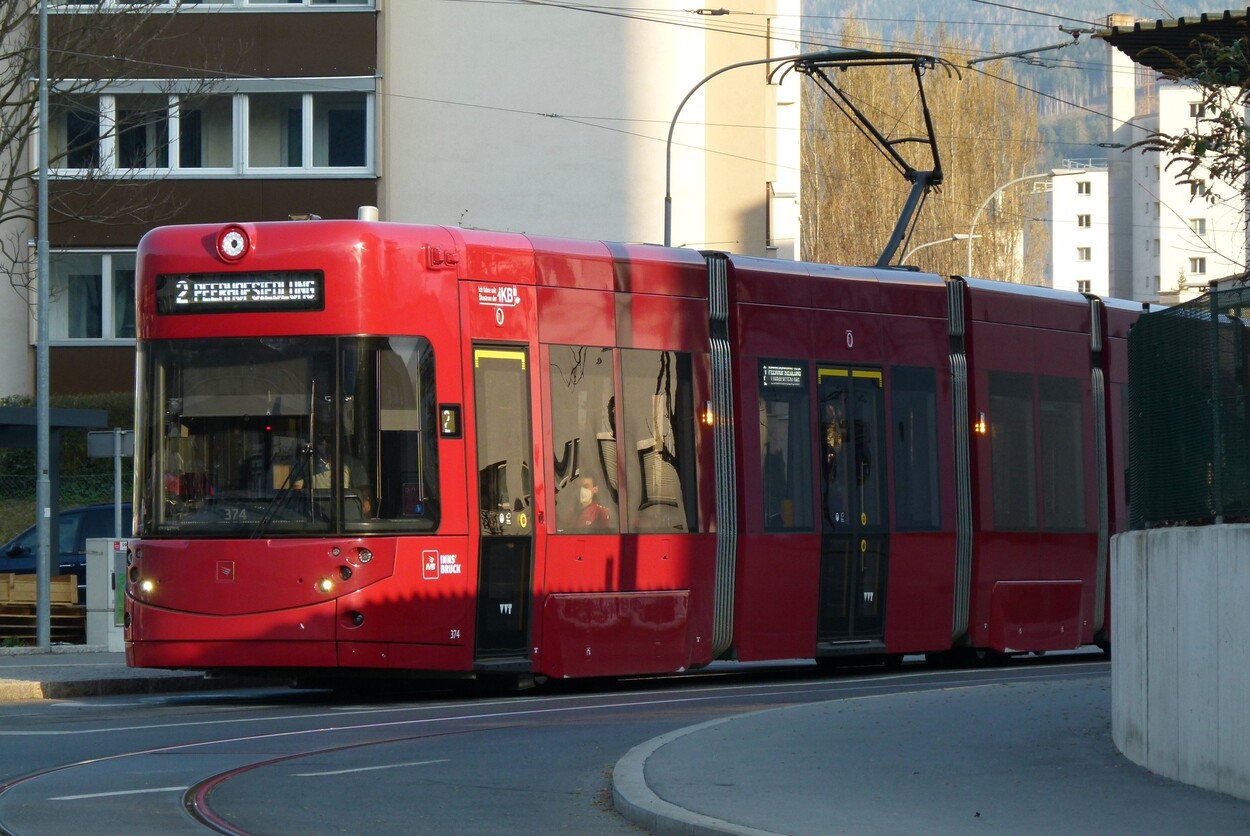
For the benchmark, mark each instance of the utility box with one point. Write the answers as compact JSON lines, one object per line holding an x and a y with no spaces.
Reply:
{"x":106,"y":592}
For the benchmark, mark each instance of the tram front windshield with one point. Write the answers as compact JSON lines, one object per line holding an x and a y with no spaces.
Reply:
{"x":287,"y":437}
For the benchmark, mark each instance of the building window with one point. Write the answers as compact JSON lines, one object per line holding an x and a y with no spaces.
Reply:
{"x":1197,"y":110}
{"x":1082,"y":286}
{"x":275,"y":132}
{"x":1198,"y":266}
{"x":1156,"y":209}
{"x":91,"y":295}
{"x":205,"y":131}
{"x":1083,"y":253}
{"x":1198,"y":225}
{"x":1083,"y":221}
{"x":1083,"y":187}
{"x":1198,"y":188}
{"x":311,"y":133}
{"x":74,"y":132}
{"x":142,"y":133}
{"x":308,"y":130}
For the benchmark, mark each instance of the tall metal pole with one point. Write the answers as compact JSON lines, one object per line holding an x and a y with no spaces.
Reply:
{"x":995,"y":193}
{"x":827,"y":54}
{"x":43,"y":503}
{"x":958,"y":236}
{"x":976,"y":216}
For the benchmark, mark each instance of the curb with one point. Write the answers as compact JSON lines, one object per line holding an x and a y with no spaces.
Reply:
{"x":637,"y":803}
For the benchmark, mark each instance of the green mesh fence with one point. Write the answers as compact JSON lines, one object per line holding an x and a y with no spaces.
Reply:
{"x":1188,"y":433}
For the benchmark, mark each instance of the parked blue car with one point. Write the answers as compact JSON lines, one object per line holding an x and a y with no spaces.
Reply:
{"x":77,"y":525}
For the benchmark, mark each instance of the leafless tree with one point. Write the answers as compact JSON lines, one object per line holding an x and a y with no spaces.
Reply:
{"x":987,"y":135}
{"x":88,"y":45}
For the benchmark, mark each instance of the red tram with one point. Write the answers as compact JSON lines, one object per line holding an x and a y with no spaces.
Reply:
{"x":386,"y":447}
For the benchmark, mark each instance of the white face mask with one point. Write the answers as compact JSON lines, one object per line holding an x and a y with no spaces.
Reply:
{"x":586,"y":495}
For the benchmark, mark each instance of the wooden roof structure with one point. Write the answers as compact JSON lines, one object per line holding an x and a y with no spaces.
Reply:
{"x":1169,"y":46}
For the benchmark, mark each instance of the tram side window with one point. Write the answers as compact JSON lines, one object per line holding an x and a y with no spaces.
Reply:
{"x":1012,"y":453}
{"x":1063,"y":453}
{"x":917,"y":505}
{"x":785,"y":447}
{"x":657,"y":442}
{"x":584,"y":449}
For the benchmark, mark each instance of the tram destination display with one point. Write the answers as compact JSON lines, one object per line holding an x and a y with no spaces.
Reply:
{"x":270,"y":292}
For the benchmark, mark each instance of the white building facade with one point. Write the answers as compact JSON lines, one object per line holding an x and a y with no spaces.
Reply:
{"x":1075,"y":202}
{"x":553,"y":120}
{"x":1168,"y":239}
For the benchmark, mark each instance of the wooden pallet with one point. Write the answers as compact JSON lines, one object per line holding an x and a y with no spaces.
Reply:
{"x":67,"y":619}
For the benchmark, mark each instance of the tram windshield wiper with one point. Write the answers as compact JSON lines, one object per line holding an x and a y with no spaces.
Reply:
{"x":282,"y":497}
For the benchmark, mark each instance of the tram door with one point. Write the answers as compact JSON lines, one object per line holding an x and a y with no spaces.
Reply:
{"x":505,"y":501}
{"x":853,"y":543}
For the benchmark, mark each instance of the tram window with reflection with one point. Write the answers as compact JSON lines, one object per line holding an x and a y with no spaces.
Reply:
{"x":288,"y":436}
{"x":1013,"y":457}
{"x":785,"y":446}
{"x":658,"y":443}
{"x":583,"y":423}
{"x":917,"y":492}
{"x":1062,"y":427}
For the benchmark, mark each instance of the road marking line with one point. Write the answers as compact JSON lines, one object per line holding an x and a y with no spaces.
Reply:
{"x":367,"y":768}
{"x":119,"y":792}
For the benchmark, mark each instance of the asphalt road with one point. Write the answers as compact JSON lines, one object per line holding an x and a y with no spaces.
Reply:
{"x":278,"y":761}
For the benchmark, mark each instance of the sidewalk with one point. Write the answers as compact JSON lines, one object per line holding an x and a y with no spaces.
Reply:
{"x":1022,"y":758}
{"x":75,"y":670}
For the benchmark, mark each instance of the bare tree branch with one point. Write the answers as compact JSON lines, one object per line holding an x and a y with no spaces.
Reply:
{"x":88,"y":48}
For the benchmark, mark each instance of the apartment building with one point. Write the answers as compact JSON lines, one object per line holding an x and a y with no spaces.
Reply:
{"x":538,"y":118}
{"x":1076,"y":247}
{"x":1168,"y":239}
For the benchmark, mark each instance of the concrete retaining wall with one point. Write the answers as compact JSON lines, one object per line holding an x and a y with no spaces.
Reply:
{"x":1180,"y":664}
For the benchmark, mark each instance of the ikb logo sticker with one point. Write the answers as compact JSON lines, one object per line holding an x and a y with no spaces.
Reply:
{"x":435,"y":565}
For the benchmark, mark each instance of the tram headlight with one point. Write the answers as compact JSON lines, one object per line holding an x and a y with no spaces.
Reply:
{"x":147,"y":586}
{"x":325,"y":585}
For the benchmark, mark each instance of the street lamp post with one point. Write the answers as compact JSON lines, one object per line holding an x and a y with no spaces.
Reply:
{"x":815,"y":65}
{"x":958,"y":236}
{"x":43,"y":492}
{"x":828,"y":54}
{"x":995,"y":193}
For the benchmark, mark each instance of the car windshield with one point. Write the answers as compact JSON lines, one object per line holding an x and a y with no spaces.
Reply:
{"x":287,"y":436}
